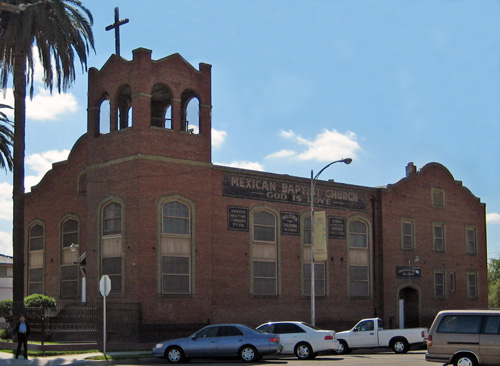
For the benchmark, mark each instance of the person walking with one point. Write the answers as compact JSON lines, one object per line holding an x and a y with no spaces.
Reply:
{"x":22,"y":329}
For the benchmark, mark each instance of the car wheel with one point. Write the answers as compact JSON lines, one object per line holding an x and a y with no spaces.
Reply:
{"x":465,"y":359}
{"x":343,"y":348}
{"x":400,"y":346}
{"x":248,"y":354}
{"x":303,"y":351}
{"x":174,"y":354}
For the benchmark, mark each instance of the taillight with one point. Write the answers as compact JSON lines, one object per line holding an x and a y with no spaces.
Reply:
{"x":275,"y":340}
{"x":329,"y":338}
{"x":422,"y":334}
{"x":429,"y":341}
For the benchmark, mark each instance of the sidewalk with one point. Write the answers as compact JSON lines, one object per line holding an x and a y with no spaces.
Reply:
{"x":75,"y":359}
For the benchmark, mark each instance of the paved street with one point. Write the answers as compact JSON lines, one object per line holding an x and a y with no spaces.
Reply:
{"x":368,"y":358}
{"x":413,"y":358}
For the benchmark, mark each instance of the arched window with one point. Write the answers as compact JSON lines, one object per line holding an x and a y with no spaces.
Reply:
{"x":264,"y":254}
{"x":359,"y":258}
{"x":190,"y":112}
{"x":161,"y":103}
{"x":112,"y":245}
{"x":358,"y":235}
{"x":124,"y":107}
{"x":69,"y":254}
{"x":319,"y":266}
{"x":176,"y":251}
{"x":36,"y":245}
{"x":104,"y":115}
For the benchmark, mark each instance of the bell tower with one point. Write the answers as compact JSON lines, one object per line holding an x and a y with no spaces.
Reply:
{"x":151,"y":107}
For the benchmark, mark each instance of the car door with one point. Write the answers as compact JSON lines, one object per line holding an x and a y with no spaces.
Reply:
{"x":203,"y":343}
{"x":229,"y":340}
{"x":290,"y":334}
{"x":364,"y":335}
{"x":489,"y":341}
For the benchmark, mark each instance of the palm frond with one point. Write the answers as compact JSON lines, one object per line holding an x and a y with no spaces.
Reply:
{"x":6,"y":140}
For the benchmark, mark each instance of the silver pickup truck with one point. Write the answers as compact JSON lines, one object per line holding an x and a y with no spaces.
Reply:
{"x":368,"y":333}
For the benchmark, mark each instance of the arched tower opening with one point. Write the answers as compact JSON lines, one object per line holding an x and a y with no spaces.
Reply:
{"x":104,"y":121}
{"x":190,"y":112}
{"x":124,"y":104}
{"x":161,"y":102}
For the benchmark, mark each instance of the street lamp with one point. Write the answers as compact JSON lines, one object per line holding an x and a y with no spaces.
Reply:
{"x":81,"y":265}
{"x":17,"y":8}
{"x":314,"y":178}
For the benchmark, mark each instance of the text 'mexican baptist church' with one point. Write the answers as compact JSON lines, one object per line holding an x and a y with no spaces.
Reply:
{"x":139,"y":200}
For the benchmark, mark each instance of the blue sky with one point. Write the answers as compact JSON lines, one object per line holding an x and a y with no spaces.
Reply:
{"x":297,"y":84}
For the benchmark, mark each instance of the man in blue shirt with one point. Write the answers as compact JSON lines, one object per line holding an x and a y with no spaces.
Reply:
{"x":22,"y":329}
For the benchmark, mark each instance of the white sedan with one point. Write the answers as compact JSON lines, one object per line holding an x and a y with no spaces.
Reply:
{"x":301,"y":339}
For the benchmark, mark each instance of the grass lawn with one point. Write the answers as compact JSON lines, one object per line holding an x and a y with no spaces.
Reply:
{"x":129,"y":356}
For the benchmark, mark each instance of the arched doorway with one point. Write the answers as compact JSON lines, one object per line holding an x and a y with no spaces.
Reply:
{"x":410,"y":296}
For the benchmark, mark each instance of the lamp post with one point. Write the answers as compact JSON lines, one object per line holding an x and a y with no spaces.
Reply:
{"x":17,"y":8}
{"x":75,"y":247}
{"x":314,"y":178}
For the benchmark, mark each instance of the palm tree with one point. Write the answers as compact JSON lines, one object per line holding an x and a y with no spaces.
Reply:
{"x":6,"y":137}
{"x":55,"y":30}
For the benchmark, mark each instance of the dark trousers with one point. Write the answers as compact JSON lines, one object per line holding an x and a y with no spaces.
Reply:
{"x":22,"y":339}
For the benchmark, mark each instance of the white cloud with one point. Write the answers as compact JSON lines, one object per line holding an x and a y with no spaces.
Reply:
{"x":327,"y":146}
{"x":281,"y":154}
{"x":6,"y":243}
{"x":493,"y":218}
{"x":287,"y":134}
{"x":5,"y":201}
{"x":218,"y":138}
{"x":244,"y":165}
{"x":41,"y":163}
{"x":38,"y":163}
{"x":38,"y":75}
{"x":44,"y":106}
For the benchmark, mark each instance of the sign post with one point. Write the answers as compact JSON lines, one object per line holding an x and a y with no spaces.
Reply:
{"x":105,"y":288}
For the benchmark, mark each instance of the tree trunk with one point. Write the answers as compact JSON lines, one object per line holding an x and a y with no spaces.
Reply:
{"x":18,"y":189}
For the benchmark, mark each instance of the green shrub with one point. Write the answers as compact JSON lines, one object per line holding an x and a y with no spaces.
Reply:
{"x":5,"y":334}
{"x":5,"y":307}
{"x":6,"y":310}
{"x":39,"y":301}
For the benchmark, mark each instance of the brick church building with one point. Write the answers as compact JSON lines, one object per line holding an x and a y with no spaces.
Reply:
{"x":139,"y":200}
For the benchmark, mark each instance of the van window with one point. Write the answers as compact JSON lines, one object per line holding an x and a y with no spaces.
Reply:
{"x":467,"y":324}
{"x":492,"y":325}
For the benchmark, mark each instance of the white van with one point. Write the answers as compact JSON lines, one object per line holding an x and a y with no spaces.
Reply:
{"x":465,"y":337}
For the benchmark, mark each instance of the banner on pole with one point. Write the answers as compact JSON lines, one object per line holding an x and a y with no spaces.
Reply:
{"x":320,"y":251}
